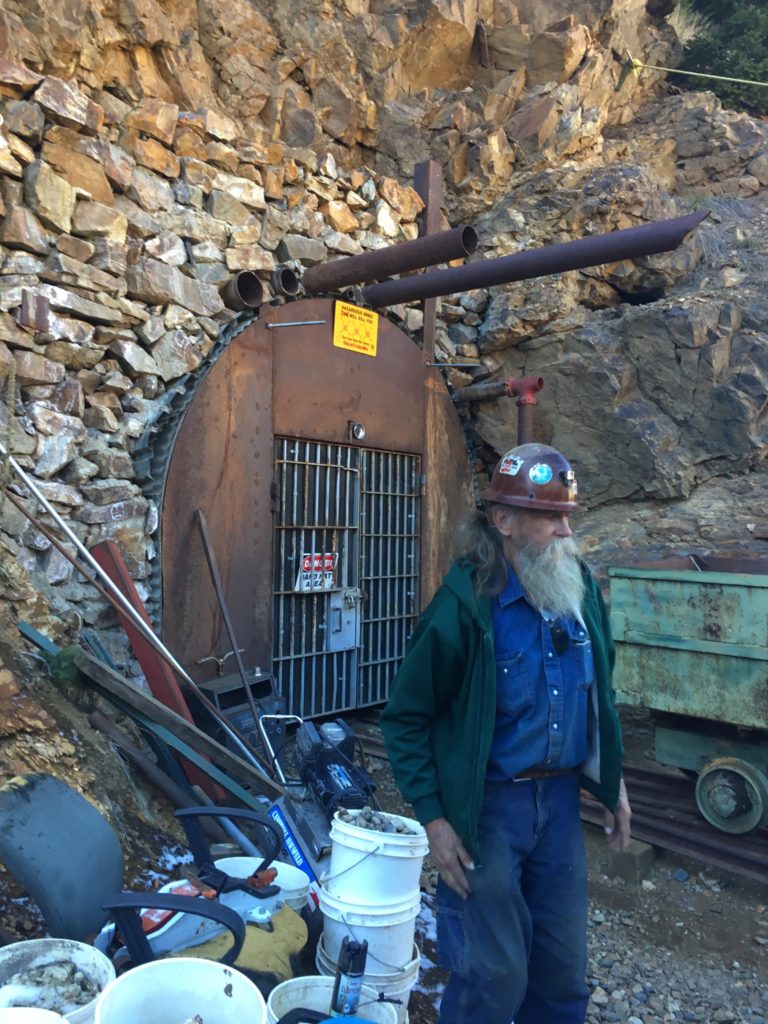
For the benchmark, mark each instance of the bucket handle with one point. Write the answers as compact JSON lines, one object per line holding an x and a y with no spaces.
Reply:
{"x":395,"y":967}
{"x":332,"y":878}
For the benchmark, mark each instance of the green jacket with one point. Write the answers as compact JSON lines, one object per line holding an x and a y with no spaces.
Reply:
{"x":439,"y":722}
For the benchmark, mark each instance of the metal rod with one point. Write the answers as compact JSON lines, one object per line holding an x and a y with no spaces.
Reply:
{"x":136,"y":618}
{"x":294,"y":323}
{"x":116,"y":598}
{"x":428,"y":182}
{"x":213,"y":566}
{"x":629,"y":243}
{"x":427,"y":251}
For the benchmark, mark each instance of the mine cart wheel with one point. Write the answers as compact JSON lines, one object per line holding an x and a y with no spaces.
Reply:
{"x":733,"y":795}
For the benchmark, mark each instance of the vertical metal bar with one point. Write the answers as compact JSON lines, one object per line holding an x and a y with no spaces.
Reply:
{"x":380,"y":556}
{"x":310,"y":602}
{"x":296,"y":540}
{"x":365,"y":556}
{"x":428,"y":182}
{"x":392,"y":527}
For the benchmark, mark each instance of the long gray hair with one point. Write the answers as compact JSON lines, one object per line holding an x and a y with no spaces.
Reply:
{"x":478,"y":542}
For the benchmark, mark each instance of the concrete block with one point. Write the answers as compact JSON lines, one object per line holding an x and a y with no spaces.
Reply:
{"x":633,"y":865}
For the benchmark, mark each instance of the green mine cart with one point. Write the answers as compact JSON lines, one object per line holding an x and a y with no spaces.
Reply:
{"x":692,"y":646}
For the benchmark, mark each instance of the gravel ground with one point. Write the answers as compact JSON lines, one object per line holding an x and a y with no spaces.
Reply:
{"x":635,"y":976}
{"x":670,"y":940}
{"x":674,"y":942}
{"x":633,"y":980}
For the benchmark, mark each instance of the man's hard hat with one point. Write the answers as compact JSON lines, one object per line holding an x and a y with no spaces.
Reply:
{"x":534,"y":476}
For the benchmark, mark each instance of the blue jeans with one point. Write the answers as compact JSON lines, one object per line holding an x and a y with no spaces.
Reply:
{"x":516,"y":949}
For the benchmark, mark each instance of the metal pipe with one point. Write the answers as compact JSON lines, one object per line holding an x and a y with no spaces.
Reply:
{"x":481,"y":392}
{"x":630,"y":243}
{"x":243,"y":291}
{"x":524,"y":389}
{"x":426,"y":251}
{"x":116,"y":597}
{"x":285,"y":281}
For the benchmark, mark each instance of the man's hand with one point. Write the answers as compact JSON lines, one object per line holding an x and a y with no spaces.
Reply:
{"x":449,"y":855}
{"x":617,"y":825}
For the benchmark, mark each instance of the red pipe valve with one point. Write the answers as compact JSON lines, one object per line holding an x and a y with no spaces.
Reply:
{"x":524,"y":389}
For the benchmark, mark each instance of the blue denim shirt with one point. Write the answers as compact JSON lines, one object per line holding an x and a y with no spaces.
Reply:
{"x":541,"y":696}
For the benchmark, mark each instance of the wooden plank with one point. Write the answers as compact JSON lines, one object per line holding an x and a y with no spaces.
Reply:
{"x":113,"y":684}
{"x":160,"y":677}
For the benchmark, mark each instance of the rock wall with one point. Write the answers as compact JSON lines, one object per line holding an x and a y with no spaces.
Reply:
{"x":117,"y":233}
{"x":150,"y":149}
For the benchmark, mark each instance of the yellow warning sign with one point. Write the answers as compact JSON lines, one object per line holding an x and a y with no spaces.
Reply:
{"x":355,"y":329}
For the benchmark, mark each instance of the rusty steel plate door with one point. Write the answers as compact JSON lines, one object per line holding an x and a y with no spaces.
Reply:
{"x":315,"y":467}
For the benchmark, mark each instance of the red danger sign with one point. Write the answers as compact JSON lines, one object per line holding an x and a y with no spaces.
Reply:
{"x":318,"y":571}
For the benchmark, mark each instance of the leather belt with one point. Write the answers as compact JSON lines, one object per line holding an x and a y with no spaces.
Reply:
{"x":541,"y":773}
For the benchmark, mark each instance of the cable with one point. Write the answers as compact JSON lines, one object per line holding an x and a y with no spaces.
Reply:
{"x":633,"y":64}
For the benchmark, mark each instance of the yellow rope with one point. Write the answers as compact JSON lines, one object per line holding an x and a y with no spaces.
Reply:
{"x":633,"y":64}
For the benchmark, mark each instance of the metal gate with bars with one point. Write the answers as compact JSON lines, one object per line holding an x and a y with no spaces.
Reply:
{"x":346,"y":572}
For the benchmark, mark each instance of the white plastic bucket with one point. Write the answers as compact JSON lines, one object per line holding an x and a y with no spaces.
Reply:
{"x":294,"y":884}
{"x":170,"y":991}
{"x":388,"y":930}
{"x":396,"y":986}
{"x":314,"y":993}
{"x":24,"y":956}
{"x":375,"y":867}
{"x":28,"y":1015}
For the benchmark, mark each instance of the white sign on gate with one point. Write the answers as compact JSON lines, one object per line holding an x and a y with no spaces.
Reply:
{"x":317,"y":572}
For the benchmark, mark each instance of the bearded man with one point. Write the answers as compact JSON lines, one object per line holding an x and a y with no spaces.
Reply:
{"x":502,"y":709}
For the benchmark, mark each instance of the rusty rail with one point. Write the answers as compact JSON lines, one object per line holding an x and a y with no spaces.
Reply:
{"x":664,"y":813}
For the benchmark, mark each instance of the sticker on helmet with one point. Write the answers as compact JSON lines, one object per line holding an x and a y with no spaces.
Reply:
{"x":540,"y":474}
{"x":510,"y":465}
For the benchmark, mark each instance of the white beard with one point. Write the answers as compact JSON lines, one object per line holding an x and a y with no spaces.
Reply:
{"x":551,"y":576}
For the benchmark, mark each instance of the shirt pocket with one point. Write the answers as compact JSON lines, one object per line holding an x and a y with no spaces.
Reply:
{"x":514,"y":683}
{"x":585,"y":668}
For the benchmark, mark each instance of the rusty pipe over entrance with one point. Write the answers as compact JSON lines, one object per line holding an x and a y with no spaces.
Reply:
{"x":629,"y":243}
{"x":395,"y":259}
{"x":242,"y":292}
{"x":524,"y":389}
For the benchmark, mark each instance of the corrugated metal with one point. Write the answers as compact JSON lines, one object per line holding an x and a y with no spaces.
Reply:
{"x":358,"y":507}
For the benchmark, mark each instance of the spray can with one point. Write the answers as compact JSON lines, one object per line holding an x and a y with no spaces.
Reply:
{"x":349,"y":977}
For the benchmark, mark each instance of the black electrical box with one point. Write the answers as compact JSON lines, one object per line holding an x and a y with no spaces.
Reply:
{"x":229,"y":695}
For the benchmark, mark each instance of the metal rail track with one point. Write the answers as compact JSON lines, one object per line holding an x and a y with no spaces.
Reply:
{"x":664,"y":814}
